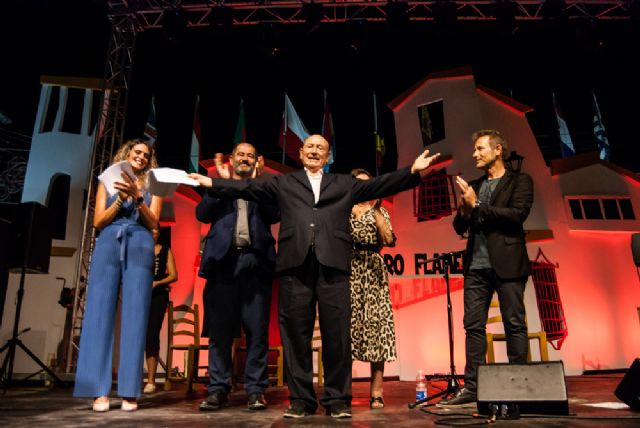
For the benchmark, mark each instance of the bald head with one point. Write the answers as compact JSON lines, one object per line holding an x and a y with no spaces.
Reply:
{"x":314,"y":153}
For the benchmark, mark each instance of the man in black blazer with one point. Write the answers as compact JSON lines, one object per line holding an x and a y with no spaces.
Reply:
{"x":492,"y":211}
{"x":314,"y":259}
{"x":238,"y":261}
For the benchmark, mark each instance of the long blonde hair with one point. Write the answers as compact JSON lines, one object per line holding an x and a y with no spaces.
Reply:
{"x":123,"y":154}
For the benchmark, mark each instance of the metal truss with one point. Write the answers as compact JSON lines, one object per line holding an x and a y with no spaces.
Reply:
{"x":108,"y":136}
{"x":202,"y":13}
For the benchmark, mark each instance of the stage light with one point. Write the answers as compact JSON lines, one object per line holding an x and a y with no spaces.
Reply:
{"x":174,"y":22}
{"x":445,"y":12}
{"x":270,"y":39}
{"x":313,"y":14}
{"x":397,"y":13}
{"x":357,"y":34}
{"x":553,"y":9}
{"x":504,"y":12}
{"x":221,"y":16}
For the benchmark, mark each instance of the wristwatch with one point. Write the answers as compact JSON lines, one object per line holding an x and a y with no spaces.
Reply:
{"x":139,"y":200}
{"x":478,"y":203}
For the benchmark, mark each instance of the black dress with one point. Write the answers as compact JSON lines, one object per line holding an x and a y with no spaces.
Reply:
{"x":159,"y":303}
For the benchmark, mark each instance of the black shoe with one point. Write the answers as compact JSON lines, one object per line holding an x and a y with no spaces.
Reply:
{"x":463,"y":398}
{"x":215,"y":400}
{"x":256,"y":401}
{"x":296,"y":409}
{"x":340,"y":411}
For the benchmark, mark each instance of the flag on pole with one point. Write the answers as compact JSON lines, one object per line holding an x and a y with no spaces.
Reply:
{"x":241,"y":131}
{"x":327,"y":133}
{"x":599,"y":134}
{"x":378,"y":139}
{"x":292,"y":132}
{"x":566,"y":146}
{"x":150,"y":132}
{"x":380,"y":151}
{"x":194,"y":156}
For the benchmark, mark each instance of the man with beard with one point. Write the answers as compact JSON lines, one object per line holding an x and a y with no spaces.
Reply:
{"x":314,"y":260}
{"x":237,"y":262}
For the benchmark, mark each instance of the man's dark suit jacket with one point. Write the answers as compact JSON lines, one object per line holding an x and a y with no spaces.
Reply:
{"x":303,"y":222}
{"x":501,"y":222}
{"x":222,"y":214}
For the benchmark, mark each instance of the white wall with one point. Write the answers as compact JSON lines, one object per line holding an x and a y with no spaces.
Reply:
{"x":598,"y":282}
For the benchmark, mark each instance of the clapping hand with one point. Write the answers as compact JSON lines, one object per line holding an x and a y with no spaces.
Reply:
{"x":468,"y":196}
{"x":128,"y":187}
{"x":222,"y":168}
{"x":259,"y":167}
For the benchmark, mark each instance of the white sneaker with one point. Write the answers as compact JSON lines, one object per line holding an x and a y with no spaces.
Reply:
{"x":101,"y":404}
{"x":129,"y":406}
{"x":149,"y":388}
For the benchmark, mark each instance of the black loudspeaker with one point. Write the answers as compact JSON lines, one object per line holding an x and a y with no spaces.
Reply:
{"x":635,"y":248}
{"x":31,"y":241}
{"x":628,"y":390}
{"x":537,"y":388}
{"x":5,"y":240}
{"x":58,"y":204}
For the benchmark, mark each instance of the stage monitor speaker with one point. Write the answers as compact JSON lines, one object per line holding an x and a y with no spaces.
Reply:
{"x":30,"y":246}
{"x":537,"y":388}
{"x":635,"y":248}
{"x":628,"y":390}
{"x":58,"y":203}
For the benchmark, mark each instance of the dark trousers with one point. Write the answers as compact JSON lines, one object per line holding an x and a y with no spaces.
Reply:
{"x":232,"y":296}
{"x":159,"y":303}
{"x":300,"y":290}
{"x":479,"y":285}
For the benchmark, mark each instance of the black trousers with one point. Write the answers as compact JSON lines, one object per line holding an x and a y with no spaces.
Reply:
{"x":300,"y":289}
{"x":479,"y":285}
{"x":233,"y":296}
{"x":159,"y":303}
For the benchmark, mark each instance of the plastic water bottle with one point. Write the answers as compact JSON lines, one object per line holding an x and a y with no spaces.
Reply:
{"x":421,"y":387}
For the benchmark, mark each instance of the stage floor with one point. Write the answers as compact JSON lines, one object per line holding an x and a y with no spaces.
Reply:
{"x":36,"y":407}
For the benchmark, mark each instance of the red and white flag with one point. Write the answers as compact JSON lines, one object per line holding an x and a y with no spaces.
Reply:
{"x":292,"y":132}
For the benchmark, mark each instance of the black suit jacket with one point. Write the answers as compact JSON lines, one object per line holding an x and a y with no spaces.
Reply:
{"x":303,"y":222}
{"x":223,"y":214}
{"x":502,"y":223}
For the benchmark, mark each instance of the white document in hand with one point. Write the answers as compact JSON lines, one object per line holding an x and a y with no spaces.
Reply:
{"x":164,"y":181}
{"x":114,"y":173}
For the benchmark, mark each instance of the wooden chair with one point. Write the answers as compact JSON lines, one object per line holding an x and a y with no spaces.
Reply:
{"x":275,"y":365}
{"x":184,"y":321}
{"x":316,"y":346}
{"x":540,"y":336}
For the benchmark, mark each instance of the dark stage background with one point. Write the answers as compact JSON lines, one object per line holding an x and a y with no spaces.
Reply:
{"x":351,"y":61}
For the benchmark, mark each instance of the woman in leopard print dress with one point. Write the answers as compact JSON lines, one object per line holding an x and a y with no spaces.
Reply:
{"x":372,"y":327}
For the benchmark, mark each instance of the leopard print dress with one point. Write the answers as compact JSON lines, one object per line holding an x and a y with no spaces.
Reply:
{"x":372,"y":328}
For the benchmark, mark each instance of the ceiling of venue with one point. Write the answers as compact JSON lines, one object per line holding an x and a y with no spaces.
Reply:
{"x":222,"y":51}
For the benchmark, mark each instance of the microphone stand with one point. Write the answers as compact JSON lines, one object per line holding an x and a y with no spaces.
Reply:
{"x":452,"y":383}
{"x":6,"y":372}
